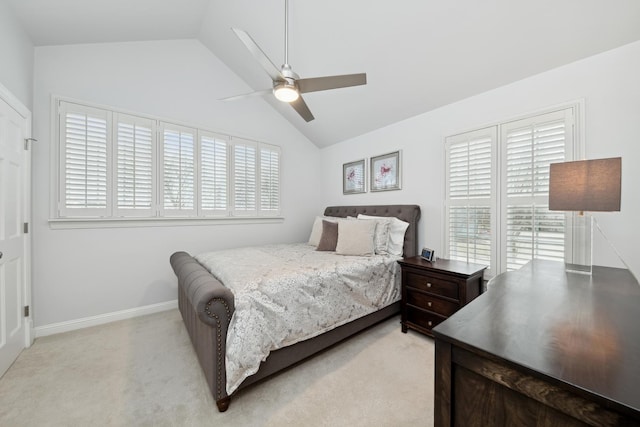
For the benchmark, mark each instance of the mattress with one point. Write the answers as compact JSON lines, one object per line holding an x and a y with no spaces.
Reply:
{"x":288,"y":293}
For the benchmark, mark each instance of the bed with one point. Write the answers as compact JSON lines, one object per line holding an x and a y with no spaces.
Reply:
{"x":208,"y":306}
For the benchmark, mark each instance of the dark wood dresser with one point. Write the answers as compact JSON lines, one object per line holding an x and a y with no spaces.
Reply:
{"x":543,"y":347}
{"x":433,"y":291}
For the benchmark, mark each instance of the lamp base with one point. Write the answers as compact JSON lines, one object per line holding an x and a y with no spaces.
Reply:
{"x":581,"y":261}
{"x":578,"y":268}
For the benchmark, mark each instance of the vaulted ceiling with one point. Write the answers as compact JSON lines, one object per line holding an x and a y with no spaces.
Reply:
{"x":418,"y":54}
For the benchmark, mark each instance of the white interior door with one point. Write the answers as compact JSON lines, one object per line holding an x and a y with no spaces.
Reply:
{"x":14,"y":248}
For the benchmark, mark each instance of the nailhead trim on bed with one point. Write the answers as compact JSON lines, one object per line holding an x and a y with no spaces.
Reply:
{"x":219,"y":336}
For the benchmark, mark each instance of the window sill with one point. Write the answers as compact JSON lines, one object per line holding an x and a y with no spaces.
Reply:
{"x":74,"y":223}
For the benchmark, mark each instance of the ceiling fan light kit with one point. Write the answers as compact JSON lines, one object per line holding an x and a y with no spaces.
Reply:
{"x":287,"y":85}
{"x":286,"y":92}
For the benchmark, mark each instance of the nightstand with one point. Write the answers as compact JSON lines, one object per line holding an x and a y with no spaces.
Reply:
{"x":433,"y":291}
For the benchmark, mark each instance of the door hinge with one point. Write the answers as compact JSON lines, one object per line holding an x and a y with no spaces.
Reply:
{"x":26,"y":142}
{"x":26,"y":311}
{"x":25,"y":228}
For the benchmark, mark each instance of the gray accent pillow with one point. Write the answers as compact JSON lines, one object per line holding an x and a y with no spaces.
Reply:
{"x":329,"y":237}
{"x":316,"y":230}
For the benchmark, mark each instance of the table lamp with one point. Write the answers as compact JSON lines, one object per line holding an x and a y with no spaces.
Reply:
{"x":585,"y":186}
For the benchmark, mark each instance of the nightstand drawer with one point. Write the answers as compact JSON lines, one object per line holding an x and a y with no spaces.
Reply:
{"x":433,"y":285}
{"x":431,"y":303}
{"x":423,"y":318}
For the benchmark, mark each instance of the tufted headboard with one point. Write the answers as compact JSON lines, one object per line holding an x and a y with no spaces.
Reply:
{"x":407,"y":213}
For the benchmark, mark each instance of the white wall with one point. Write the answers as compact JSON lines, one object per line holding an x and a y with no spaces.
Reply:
{"x":83,"y":273}
{"x":16,"y":53}
{"x":608,"y":83}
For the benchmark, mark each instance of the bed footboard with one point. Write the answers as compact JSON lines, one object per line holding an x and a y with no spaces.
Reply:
{"x":206,"y":307}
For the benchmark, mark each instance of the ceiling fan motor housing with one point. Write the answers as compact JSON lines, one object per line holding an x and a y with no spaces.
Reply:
{"x":288,"y":73}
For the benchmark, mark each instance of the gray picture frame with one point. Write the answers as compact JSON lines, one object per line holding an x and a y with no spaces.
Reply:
{"x":385,"y":172}
{"x":354,"y":179}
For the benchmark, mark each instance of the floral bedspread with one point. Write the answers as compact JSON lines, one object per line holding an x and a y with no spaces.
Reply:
{"x":288,"y":293}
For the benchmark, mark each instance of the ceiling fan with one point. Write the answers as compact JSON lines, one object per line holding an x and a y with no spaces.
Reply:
{"x":287,"y":85}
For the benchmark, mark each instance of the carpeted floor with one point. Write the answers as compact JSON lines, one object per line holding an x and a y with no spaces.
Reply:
{"x":143,"y":372}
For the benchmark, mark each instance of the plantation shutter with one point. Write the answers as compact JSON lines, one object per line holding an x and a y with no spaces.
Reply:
{"x":84,"y":161}
{"x":135,"y":166}
{"x":269,"y":180}
{"x":245,"y":156}
{"x":116,"y":165}
{"x":470,"y":185}
{"x":214,"y":182}
{"x":529,"y":146}
{"x":178,"y":175}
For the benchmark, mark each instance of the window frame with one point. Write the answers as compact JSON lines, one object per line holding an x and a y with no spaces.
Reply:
{"x":61,"y":164}
{"x":567,"y":115}
{"x":112,"y":216}
{"x":250,"y":206}
{"x":261,"y":208}
{"x":162,"y":209}
{"x":216,"y":137}
{"x":489,"y":132}
{"x":117,"y":211}
{"x":574,"y":149}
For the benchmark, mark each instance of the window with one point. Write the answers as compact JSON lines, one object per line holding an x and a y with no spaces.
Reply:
{"x":245,"y":176}
{"x":529,"y":146}
{"x":178,"y":174}
{"x":135,"y":167}
{"x":497,"y":181}
{"x":214,"y":180}
{"x":117,"y":165}
{"x":269,"y":178}
{"x":470,"y":196}
{"x":84,"y":172}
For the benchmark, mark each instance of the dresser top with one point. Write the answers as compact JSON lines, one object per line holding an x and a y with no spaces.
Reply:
{"x":578,"y":330}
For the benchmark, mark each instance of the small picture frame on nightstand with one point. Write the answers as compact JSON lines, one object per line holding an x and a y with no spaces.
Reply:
{"x":428,"y":254}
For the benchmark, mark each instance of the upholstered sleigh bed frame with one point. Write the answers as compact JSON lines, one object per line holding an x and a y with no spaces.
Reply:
{"x":207,"y":305}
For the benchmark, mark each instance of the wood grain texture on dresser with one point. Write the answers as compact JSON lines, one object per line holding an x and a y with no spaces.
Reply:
{"x":543,"y":347}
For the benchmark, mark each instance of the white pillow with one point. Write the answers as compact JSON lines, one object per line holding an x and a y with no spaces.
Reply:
{"x":356,"y":237}
{"x":316,"y":230}
{"x":381,"y":237}
{"x":397,"y":230}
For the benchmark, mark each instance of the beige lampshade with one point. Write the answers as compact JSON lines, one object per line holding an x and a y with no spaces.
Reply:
{"x":585,"y":185}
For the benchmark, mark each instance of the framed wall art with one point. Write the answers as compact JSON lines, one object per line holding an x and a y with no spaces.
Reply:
{"x":385,"y":172}
{"x":353,"y":177}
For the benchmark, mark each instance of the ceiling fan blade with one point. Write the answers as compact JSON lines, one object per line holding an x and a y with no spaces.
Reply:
{"x":315,"y":84}
{"x":247,"y":95}
{"x":259,"y":55}
{"x":301,"y":107}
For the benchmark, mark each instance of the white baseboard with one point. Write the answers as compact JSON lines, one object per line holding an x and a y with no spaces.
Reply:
{"x":101,"y":319}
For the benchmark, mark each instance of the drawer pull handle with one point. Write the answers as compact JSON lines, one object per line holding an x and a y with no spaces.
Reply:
{"x":428,"y":284}
{"x":430,"y":323}
{"x":429,"y":304}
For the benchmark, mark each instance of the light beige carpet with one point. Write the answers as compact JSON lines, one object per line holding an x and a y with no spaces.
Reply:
{"x":143,"y":372}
